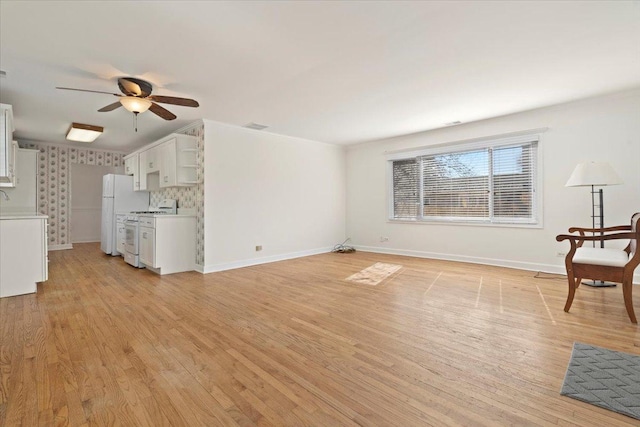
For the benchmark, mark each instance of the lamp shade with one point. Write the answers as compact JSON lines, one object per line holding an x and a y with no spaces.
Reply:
{"x":135,"y":104}
{"x":593,"y":173}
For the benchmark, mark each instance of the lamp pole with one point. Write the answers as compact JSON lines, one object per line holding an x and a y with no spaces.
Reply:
{"x":595,"y":174}
{"x":599,"y":192}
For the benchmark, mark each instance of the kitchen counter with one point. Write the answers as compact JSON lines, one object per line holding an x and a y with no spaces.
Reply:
{"x":22,"y":215}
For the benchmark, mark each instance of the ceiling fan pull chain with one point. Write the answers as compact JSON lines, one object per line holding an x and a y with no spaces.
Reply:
{"x":135,"y":121}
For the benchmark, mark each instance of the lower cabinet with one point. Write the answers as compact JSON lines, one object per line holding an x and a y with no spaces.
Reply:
{"x":147,"y":246}
{"x":23,"y":254}
{"x":167,"y":243}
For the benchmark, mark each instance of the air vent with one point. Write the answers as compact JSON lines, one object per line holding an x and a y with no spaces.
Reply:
{"x":3,"y":73}
{"x":255,"y":126}
{"x":457,"y":122}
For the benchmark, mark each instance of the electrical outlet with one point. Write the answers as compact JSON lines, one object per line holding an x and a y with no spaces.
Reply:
{"x":384,"y":239}
{"x":561,"y":254}
{"x":258,"y":248}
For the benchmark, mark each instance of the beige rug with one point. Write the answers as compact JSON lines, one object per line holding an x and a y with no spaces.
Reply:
{"x":374,"y":274}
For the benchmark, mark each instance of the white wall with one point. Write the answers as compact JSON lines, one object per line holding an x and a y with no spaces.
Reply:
{"x":605,"y":128}
{"x":86,"y":201}
{"x":286,"y":194}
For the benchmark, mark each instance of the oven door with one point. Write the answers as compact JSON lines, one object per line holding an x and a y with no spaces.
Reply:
{"x":131,"y":237}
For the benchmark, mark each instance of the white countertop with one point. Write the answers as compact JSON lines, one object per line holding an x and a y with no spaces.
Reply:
{"x":168,"y":215}
{"x":25,"y":215}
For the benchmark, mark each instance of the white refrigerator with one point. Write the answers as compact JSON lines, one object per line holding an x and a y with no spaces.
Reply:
{"x":118,"y":197}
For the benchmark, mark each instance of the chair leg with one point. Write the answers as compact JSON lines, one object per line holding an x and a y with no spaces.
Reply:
{"x":627,"y":287}
{"x":573,"y":284}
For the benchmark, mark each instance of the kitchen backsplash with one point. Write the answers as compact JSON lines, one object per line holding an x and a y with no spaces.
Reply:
{"x":190,"y":197}
{"x":53,"y":183}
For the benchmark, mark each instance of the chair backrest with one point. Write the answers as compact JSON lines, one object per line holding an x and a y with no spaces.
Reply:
{"x":635,"y":224}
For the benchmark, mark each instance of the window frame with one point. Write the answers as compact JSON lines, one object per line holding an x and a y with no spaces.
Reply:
{"x":516,"y":139}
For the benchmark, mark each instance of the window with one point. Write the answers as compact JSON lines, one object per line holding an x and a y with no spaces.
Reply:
{"x":485,"y":182}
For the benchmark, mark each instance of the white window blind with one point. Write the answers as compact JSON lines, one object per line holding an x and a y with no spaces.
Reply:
{"x":456,"y":185}
{"x":406,"y":202}
{"x":495,"y":183}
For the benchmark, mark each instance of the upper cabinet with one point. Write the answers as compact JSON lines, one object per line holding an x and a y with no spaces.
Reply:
{"x":178,"y":166}
{"x":8,"y":148}
{"x":151,"y":163}
{"x":169,"y":162}
{"x":132,"y":167}
{"x":131,"y":164}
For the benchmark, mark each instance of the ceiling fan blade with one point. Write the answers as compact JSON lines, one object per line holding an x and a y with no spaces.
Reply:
{"x":110,"y":107}
{"x":185,"y":102}
{"x":161,"y":111}
{"x":134,"y":87}
{"x":87,"y":90}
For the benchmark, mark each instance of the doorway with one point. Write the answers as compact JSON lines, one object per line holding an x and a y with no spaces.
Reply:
{"x":86,"y":201}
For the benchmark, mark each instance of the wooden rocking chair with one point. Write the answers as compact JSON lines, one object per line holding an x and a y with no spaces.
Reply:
{"x":608,"y":264}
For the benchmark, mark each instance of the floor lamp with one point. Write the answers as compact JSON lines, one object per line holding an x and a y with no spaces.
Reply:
{"x":595,"y":174}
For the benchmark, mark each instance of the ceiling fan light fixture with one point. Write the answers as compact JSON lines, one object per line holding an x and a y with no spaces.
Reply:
{"x":84,"y":133}
{"x":134,"y":104}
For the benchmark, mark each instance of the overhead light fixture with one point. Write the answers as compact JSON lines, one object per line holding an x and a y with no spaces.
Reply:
{"x":134,"y":104}
{"x":84,"y":133}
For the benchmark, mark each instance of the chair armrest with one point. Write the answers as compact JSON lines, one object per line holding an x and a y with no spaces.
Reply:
{"x":614,"y":236}
{"x":600,"y":230}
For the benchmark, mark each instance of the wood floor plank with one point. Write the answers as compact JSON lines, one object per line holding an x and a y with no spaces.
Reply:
{"x":293,"y":343}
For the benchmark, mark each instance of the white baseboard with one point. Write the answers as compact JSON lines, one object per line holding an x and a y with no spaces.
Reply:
{"x":60,"y":247}
{"x":212,"y":268}
{"x":521,"y":265}
{"x":94,"y":240}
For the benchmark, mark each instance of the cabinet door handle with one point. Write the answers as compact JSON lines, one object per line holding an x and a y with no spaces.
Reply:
{"x":166,"y":178}
{"x":144,"y":235}
{"x":150,"y":164}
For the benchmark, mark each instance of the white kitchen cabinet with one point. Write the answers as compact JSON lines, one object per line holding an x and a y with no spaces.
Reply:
{"x":142,"y":170}
{"x":146,"y":242}
{"x":149,"y":170}
{"x":151,"y":160}
{"x":178,"y":161}
{"x":167,"y":243}
{"x":130,"y":164}
{"x":22,"y":197}
{"x":132,"y":167}
{"x":8,"y":147}
{"x":23,"y":254}
{"x":169,"y":162}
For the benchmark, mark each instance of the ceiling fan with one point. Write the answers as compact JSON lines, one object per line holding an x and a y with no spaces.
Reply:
{"x":136,"y":97}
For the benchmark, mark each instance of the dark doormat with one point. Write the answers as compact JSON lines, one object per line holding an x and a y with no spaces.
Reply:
{"x":606,"y":378}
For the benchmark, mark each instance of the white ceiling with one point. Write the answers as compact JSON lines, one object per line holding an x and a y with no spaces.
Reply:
{"x":338,"y":72}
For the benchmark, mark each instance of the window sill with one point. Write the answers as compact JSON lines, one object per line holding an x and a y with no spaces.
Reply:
{"x":537,"y":225}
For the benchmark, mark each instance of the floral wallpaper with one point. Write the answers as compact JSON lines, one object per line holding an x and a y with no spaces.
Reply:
{"x":190,"y":197}
{"x":53,"y":182}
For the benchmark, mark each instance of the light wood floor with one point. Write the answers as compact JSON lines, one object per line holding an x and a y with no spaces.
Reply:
{"x":293,"y":343}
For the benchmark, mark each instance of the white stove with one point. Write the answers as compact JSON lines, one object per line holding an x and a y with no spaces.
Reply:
{"x":131,"y":229}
